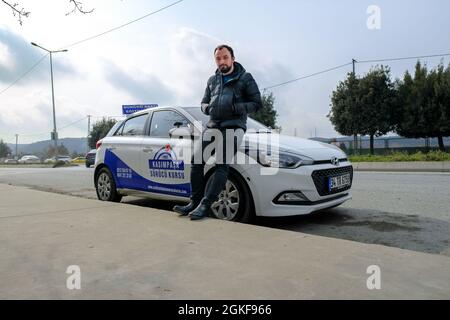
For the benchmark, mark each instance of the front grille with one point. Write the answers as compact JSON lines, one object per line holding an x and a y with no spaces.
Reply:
{"x":320,"y":178}
{"x":328,"y":161}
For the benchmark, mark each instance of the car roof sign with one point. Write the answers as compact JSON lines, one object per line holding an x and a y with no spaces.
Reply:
{"x":130,"y":109}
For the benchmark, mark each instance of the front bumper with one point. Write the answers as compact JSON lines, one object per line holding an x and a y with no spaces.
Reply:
{"x":307,"y":179}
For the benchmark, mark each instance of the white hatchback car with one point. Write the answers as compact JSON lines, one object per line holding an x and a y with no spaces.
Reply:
{"x":29,"y":159}
{"x":139,"y":157}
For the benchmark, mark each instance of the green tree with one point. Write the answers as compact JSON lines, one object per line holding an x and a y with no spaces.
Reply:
{"x":423,"y":104}
{"x":377,"y":96}
{"x":99,"y":131}
{"x":346,"y":107}
{"x":4,"y":149}
{"x":267,"y":115}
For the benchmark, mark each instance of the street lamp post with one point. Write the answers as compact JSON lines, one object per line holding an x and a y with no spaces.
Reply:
{"x":55,"y":133}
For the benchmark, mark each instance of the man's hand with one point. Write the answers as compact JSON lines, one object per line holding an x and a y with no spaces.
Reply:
{"x":205,"y":108}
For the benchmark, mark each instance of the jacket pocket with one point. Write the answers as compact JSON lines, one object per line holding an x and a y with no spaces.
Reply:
{"x":214,"y":111}
{"x":227,"y":102}
{"x":237,"y":99}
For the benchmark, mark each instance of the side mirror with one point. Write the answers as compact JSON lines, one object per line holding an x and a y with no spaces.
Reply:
{"x":184,"y":132}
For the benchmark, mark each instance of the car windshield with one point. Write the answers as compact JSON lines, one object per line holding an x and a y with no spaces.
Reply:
{"x":197,"y":113}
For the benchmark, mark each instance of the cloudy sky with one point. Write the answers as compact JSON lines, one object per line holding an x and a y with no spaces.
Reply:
{"x":167,"y":58}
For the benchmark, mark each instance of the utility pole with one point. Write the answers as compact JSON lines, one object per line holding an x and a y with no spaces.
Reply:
{"x":89,"y":131}
{"x":55,"y":133}
{"x":17,"y":139}
{"x":355,"y":137}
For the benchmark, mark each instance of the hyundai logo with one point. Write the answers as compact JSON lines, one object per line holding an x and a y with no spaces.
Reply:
{"x":335,"y":161}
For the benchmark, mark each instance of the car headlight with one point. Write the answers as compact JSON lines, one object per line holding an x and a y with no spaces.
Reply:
{"x":282,"y":159}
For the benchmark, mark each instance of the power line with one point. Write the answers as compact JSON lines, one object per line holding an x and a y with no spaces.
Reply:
{"x":405,"y":58}
{"x":27,"y":72}
{"x":123,"y":25}
{"x":356,"y":61}
{"x":33,"y":134}
{"x":44,"y":133}
{"x":308,"y":76}
{"x":71,"y":124}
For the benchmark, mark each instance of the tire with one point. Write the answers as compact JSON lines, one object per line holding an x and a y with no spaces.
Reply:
{"x":235,"y":202}
{"x":106,"y":186}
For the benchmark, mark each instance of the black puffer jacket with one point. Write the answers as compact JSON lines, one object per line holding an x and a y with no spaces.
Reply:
{"x":228,"y":105}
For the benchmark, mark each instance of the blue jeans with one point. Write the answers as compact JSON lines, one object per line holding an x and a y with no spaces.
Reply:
{"x":223,"y":161}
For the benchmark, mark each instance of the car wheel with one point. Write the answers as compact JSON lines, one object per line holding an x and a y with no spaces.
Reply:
{"x":235,"y":202}
{"x":106,"y":187}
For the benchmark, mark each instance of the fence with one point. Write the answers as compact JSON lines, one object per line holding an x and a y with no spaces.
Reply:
{"x":387,"y":145}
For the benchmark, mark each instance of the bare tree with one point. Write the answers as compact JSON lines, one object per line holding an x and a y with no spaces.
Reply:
{"x":21,"y":13}
{"x":78,"y":6}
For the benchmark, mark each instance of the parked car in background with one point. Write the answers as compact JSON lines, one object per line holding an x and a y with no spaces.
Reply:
{"x":90,"y":158}
{"x":29,"y":159}
{"x":65,"y":159}
{"x":79,"y":160}
{"x":11,"y":161}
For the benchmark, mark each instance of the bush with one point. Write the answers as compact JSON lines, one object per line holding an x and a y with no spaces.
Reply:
{"x":403,"y":156}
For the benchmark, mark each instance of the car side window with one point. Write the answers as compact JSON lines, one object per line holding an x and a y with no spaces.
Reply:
{"x":163,"y":121}
{"x":134,"y":126}
{"x":116,"y":129}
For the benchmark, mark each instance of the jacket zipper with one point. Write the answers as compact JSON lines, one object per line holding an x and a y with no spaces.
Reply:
{"x":221,"y":91}
{"x":220,"y":96}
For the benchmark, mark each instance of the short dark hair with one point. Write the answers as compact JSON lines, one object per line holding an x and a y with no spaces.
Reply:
{"x":224,"y":46}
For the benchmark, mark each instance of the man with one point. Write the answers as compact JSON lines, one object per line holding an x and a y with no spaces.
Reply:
{"x":230,"y":95}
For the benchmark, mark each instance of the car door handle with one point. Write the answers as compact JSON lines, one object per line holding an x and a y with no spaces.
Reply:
{"x":148,"y":150}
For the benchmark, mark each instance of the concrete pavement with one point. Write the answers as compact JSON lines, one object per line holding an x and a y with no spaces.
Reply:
{"x":131,"y":252}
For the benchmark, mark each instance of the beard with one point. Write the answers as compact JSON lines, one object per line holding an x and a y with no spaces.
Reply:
{"x":224,"y":68}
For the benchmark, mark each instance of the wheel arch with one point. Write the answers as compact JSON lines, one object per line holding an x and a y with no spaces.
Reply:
{"x":244,"y":182}
{"x":97,"y":170}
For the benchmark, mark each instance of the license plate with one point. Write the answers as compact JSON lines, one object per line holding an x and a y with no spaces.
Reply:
{"x":338,"y":182}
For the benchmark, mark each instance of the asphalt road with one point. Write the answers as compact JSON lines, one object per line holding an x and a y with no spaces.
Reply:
{"x":405,"y":210}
